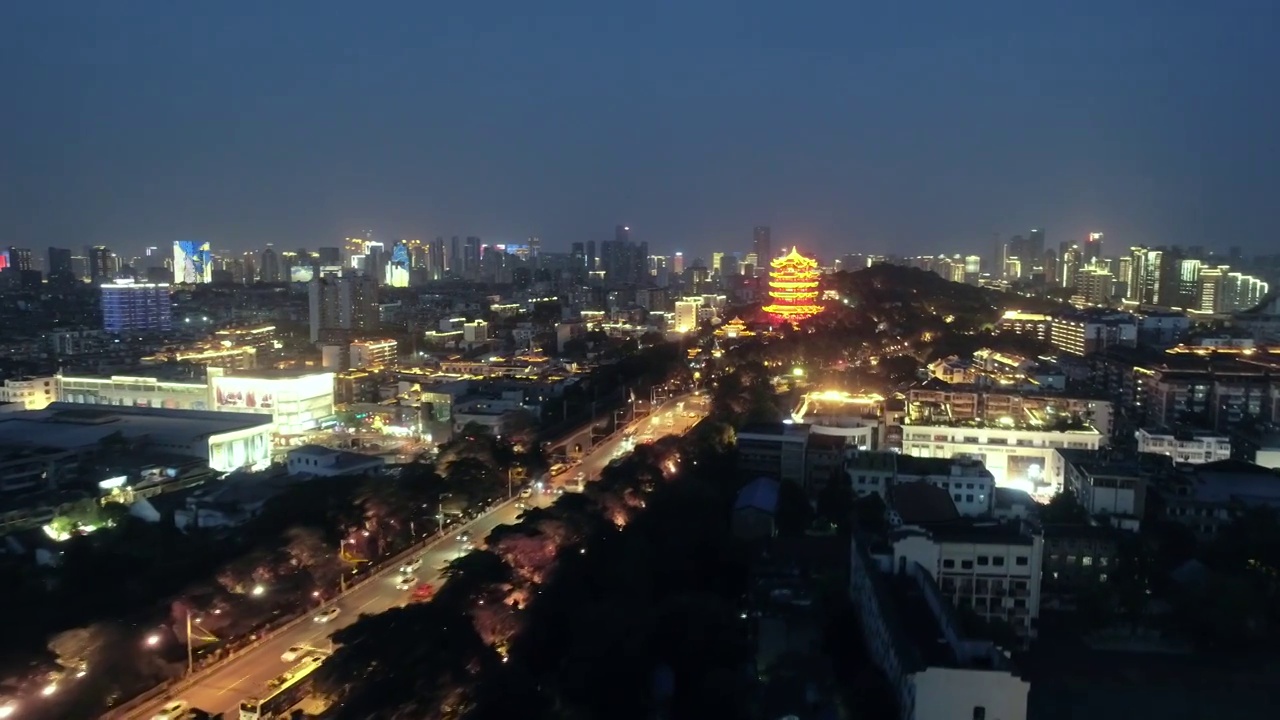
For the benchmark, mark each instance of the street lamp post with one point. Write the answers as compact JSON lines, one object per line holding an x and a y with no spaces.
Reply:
{"x":191,"y":658}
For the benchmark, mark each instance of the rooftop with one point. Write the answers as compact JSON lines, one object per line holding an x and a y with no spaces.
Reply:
{"x":70,"y":425}
{"x":920,"y":502}
{"x":975,"y":531}
{"x":759,"y":494}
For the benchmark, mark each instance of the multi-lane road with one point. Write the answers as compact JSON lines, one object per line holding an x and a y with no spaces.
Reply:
{"x":220,"y":689}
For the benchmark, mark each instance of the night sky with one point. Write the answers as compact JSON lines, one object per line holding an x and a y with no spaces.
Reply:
{"x":905,"y":126}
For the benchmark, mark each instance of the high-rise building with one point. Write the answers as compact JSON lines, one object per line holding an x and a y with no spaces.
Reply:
{"x":269,"y":267}
{"x":716,"y":259}
{"x":1035,"y":245}
{"x":435,"y":259}
{"x":329,"y":256}
{"x":762,"y":246}
{"x":345,"y":305}
{"x":1211,"y":281}
{"x":471,"y":257}
{"x":101,"y":265}
{"x":20,"y":258}
{"x":677,"y":263}
{"x":1092,"y":247}
{"x":136,"y":307}
{"x":60,"y":269}
{"x":1069,"y":263}
{"x":592,"y":258}
{"x":454,"y":261}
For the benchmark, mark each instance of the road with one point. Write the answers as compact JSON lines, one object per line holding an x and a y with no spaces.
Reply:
{"x":221,"y":689}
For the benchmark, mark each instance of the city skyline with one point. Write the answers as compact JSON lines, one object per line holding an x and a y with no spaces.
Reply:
{"x":131,"y":125}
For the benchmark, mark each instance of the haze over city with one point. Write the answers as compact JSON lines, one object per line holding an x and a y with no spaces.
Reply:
{"x":850,"y":128}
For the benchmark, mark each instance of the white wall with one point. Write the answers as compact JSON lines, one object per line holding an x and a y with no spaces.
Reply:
{"x":956,"y":694}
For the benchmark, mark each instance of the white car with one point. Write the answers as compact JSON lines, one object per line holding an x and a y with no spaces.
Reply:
{"x":325,"y":616}
{"x":580,"y":478}
{"x":295,"y":652}
{"x":527,"y":492}
{"x":173,"y":711}
{"x":411,"y":566}
{"x":406,"y":582}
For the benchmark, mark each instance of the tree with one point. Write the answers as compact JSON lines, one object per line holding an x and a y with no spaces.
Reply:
{"x":530,"y":556}
{"x":1064,"y":508}
{"x":405,"y":660}
{"x":793,"y":513}
{"x":835,"y":502}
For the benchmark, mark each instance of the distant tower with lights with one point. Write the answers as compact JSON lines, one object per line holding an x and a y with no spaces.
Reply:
{"x":793,"y":287}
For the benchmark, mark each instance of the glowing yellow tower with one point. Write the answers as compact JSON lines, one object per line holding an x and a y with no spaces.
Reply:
{"x":793,"y":287}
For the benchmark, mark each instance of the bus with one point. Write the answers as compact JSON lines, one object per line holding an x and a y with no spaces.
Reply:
{"x":282,"y":693}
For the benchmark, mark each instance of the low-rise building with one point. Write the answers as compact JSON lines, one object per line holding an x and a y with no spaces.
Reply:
{"x":913,"y":635}
{"x":1208,"y":496}
{"x":227,"y":441}
{"x":1107,"y":485}
{"x":992,"y":568}
{"x":1019,"y":455}
{"x":1077,"y":560}
{"x":321,"y":461}
{"x":970,"y":485}
{"x":32,"y":393}
{"x":1187,"y":445}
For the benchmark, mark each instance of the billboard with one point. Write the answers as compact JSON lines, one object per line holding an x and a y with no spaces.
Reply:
{"x":4,"y":259}
{"x":247,"y":394}
{"x":301,"y":273}
{"x":192,"y":262}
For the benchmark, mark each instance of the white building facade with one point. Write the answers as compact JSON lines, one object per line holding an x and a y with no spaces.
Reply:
{"x":1025,"y":459}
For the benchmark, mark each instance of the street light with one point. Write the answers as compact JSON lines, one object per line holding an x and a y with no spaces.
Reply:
{"x":258,"y":591}
{"x":153,"y":640}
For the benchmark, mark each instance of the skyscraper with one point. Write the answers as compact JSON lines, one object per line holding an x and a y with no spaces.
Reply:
{"x":471,"y":257}
{"x":345,"y":305}
{"x":20,"y":258}
{"x":677,"y":263}
{"x":591,"y":256}
{"x":130,"y":307}
{"x":435,"y":259}
{"x":60,"y":265}
{"x":269,"y":267}
{"x":1092,"y":247}
{"x":101,"y":265}
{"x":454,"y":261}
{"x":762,"y":245}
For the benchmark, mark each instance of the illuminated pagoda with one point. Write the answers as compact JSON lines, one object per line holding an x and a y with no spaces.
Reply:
{"x":793,"y":287}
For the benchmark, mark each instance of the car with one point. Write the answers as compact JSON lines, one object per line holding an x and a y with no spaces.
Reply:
{"x":295,"y":652}
{"x":411,"y":566}
{"x":405,"y":582}
{"x":173,"y":711}
{"x":464,"y":536}
{"x":526,"y":492}
{"x":522,"y":505}
{"x":424,"y":591}
{"x":580,"y":478}
{"x":327,"y":615}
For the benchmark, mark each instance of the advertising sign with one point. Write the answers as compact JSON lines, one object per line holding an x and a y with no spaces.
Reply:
{"x":248,"y":394}
{"x":192,"y":262}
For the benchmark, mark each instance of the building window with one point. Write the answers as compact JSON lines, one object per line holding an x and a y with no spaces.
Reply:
{"x":1020,"y":560}
{"x":1087,"y":561}
{"x":948,"y":563}
{"x":979,"y":712}
{"x":998,"y":561}
{"x":982,"y":560}
{"x":966,"y":564}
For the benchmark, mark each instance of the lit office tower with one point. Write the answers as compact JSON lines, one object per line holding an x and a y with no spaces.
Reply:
{"x":435,"y":259}
{"x":136,"y":307}
{"x":762,"y":246}
{"x":717,"y":258}
{"x":1035,"y":246}
{"x":343,"y":306}
{"x":1211,"y":284}
{"x":101,"y":265}
{"x":1092,"y":247}
{"x":20,"y":258}
{"x":677,"y":263}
